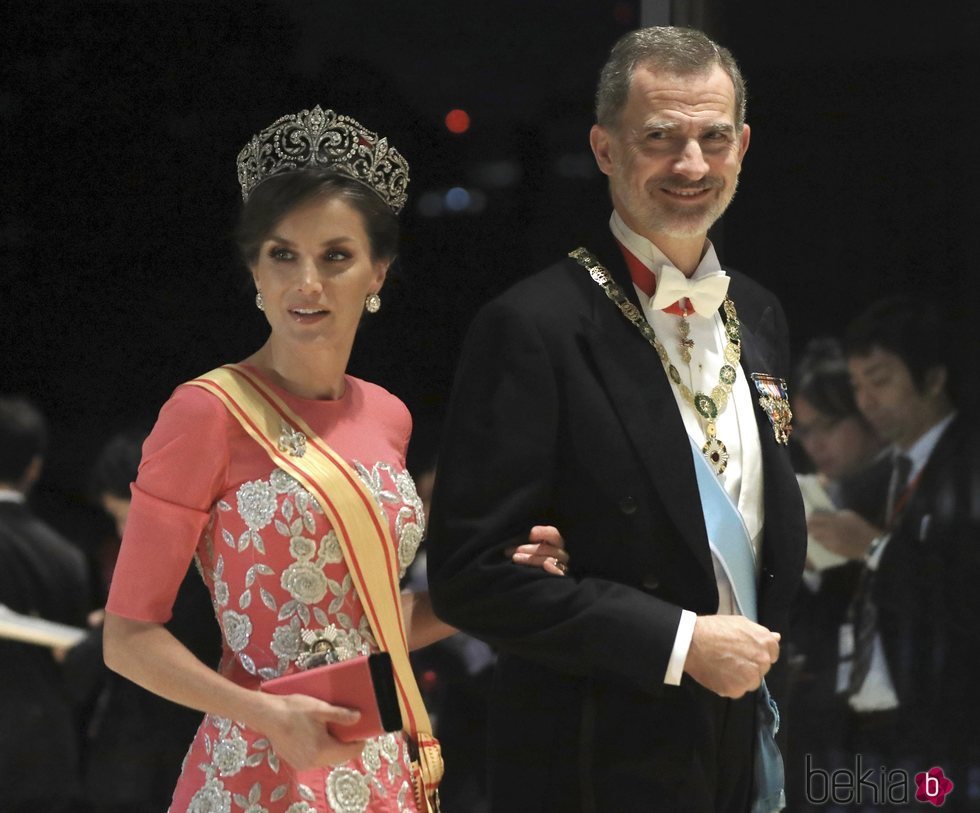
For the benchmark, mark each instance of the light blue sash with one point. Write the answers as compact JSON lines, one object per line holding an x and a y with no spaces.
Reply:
{"x":730,"y":539}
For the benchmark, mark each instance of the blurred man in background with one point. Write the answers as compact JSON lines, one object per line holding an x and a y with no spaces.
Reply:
{"x":42,"y":575}
{"x":908,"y":647}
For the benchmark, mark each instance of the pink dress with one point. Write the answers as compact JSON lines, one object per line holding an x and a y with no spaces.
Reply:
{"x":206,"y":491}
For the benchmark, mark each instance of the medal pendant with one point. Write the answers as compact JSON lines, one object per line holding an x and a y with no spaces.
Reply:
{"x":716,"y":453}
{"x":686,"y":343}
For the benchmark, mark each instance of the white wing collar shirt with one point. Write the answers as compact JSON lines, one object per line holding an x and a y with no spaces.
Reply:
{"x":736,"y":426}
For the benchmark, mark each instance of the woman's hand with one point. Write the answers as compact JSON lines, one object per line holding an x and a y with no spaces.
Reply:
{"x":296,"y":725}
{"x":545,"y":549}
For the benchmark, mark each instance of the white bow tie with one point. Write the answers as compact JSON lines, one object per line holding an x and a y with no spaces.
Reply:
{"x":705,"y":295}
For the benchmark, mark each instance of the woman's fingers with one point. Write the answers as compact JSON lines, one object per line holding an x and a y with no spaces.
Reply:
{"x":547,"y":534}
{"x":302,"y":728}
{"x":336,"y":751}
{"x":546,"y":549}
{"x":537,"y":554}
{"x":340,"y":715}
{"x":555,"y":566}
{"x":553,"y":560}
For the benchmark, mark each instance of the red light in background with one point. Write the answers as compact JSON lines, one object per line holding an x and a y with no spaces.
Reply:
{"x":457,"y":121}
{"x":624,"y":13}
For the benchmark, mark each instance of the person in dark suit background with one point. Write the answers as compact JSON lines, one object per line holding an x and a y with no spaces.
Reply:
{"x":135,"y":741}
{"x":44,"y":575}
{"x":632,"y":684}
{"x":851,"y":473}
{"x":911,"y":683}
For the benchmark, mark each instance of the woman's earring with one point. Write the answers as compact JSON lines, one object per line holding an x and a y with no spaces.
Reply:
{"x":259,"y":302}
{"x":372,"y":303}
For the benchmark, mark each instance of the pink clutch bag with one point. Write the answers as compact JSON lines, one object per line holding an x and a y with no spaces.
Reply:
{"x":365,"y":683}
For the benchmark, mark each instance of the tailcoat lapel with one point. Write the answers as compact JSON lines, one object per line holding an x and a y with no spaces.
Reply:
{"x":641,"y":396}
{"x":782,"y":502}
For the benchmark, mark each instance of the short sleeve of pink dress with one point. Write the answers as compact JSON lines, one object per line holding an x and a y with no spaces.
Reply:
{"x":207,"y":492}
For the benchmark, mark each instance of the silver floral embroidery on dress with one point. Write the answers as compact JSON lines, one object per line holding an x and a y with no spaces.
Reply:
{"x":410,"y":519}
{"x":252,"y":802}
{"x":330,"y":550}
{"x":287,"y":641}
{"x":211,"y":798}
{"x":230,"y":753}
{"x":347,"y":791}
{"x":221,"y":593}
{"x":314,"y":604}
{"x":305,"y":582}
{"x":238,"y":629}
{"x":403,"y":797}
{"x":284,"y":483}
{"x":371,"y":756}
{"x":257,"y":505}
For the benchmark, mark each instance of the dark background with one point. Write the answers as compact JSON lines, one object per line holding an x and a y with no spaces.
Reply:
{"x":120,"y":124}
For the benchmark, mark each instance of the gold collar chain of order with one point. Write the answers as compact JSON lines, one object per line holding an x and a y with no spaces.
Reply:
{"x":708,"y":407}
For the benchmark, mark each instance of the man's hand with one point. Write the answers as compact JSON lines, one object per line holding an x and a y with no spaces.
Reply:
{"x":843,"y":532}
{"x":730,"y":655}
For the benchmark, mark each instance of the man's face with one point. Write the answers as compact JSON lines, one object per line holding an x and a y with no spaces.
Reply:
{"x":887,"y":396}
{"x":673,"y":158}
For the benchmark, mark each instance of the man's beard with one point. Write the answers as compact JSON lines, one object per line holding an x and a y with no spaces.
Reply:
{"x":661,"y":217}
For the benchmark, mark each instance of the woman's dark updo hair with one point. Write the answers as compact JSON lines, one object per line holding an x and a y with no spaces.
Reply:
{"x":822,"y":379}
{"x":277,"y":196}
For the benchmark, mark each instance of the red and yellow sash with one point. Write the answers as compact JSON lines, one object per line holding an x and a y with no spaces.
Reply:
{"x":361,"y":528}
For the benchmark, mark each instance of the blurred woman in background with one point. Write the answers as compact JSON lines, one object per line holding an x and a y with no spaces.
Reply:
{"x":848,"y":476}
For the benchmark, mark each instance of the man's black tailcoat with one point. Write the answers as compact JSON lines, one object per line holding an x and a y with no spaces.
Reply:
{"x":562,"y":414}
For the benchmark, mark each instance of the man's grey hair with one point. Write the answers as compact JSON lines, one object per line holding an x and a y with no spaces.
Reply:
{"x":678,"y":51}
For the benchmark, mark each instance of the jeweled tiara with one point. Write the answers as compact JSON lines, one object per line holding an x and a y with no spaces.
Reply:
{"x":324,"y":138}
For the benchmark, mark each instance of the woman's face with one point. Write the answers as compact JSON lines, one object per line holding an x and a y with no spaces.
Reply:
{"x":314,"y":271}
{"x":836,"y":446}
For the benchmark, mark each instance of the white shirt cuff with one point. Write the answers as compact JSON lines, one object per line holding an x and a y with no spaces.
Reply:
{"x":682,"y":643}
